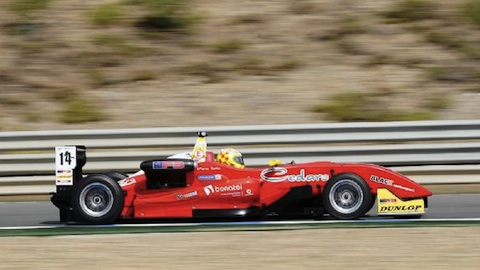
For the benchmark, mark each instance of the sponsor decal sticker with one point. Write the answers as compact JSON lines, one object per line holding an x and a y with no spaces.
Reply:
{"x":389,"y":182}
{"x":401,"y":208}
{"x":162,"y":165}
{"x":390,"y":204}
{"x":404,"y":188}
{"x":276,"y":174}
{"x":209,"y":177}
{"x":64,"y":177}
{"x":187,"y":195}
{"x":279,"y":174}
{"x":212,"y":168}
{"x":381,"y":180}
{"x":388,"y":200}
{"x":127,"y":182}
{"x":208,"y":190}
{"x":230,"y":190}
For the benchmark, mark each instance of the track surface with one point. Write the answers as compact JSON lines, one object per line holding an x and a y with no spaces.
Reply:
{"x":44,"y":213}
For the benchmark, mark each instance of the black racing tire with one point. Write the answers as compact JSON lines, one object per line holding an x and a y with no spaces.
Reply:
{"x":372,"y":203}
{"x":97,"y":199}
{"x":347,"y":196}
{"x":116,"y":175}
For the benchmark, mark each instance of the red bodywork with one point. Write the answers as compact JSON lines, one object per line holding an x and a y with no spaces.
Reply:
{"x":214,"y":186}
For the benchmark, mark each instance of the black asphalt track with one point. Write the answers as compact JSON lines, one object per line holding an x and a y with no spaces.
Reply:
{"x":14,"y":214}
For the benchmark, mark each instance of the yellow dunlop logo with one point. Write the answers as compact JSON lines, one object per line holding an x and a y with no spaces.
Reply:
{"x":388,"y":203}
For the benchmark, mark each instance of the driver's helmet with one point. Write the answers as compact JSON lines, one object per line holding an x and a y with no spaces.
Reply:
{"x":232,"y":157}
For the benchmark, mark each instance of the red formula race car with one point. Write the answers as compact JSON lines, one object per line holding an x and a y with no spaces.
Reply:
{"x":200,"y":185}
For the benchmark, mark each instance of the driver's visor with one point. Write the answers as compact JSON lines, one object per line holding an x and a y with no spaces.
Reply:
{"x":239,"y":160}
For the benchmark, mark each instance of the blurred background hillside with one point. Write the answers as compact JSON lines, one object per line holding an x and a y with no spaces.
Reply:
{"x":81,"y":64}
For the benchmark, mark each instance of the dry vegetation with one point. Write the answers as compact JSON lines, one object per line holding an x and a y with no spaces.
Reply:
{"x":144,"y":63}
{"x":387,"y":248}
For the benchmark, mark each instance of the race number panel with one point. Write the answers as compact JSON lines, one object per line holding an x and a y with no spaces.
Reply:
{"x":65,"y":162}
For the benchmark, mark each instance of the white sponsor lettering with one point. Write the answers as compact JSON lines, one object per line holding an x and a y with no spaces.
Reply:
{"x":389,"y":182}
{"x":228,"y":188}
{"x":276,"y":174}
{"x":404,"y":188}
{"x":208,"y":190}
{"x":127,"y":182}
{"x":381,"y":180}
{"x":279,"y":174}
{"x":231,"y":190}
{"x":211,"y":168}
{"x":302,"y":177}
{"x":188,"y":195}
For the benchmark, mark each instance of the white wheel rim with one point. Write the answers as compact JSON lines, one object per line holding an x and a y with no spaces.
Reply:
{"x":346,"y":196}
{"x":96,"y":200}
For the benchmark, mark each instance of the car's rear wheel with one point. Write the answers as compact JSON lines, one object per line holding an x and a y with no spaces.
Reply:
{"x":97,"y":199}
{"x":116,"y":175}
{"x":347,"y":196}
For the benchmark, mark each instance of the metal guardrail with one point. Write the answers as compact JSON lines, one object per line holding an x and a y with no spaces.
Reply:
{"x":427,"y":151}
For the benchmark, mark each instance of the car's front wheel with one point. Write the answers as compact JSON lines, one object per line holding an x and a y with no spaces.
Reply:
{"x":97,"y":199}
{"x":347,"y":196}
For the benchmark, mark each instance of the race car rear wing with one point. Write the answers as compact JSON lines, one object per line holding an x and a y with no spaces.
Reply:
{"x":69,"y":161}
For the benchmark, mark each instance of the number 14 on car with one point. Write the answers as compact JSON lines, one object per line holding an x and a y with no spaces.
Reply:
{"x":65,"y":157}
